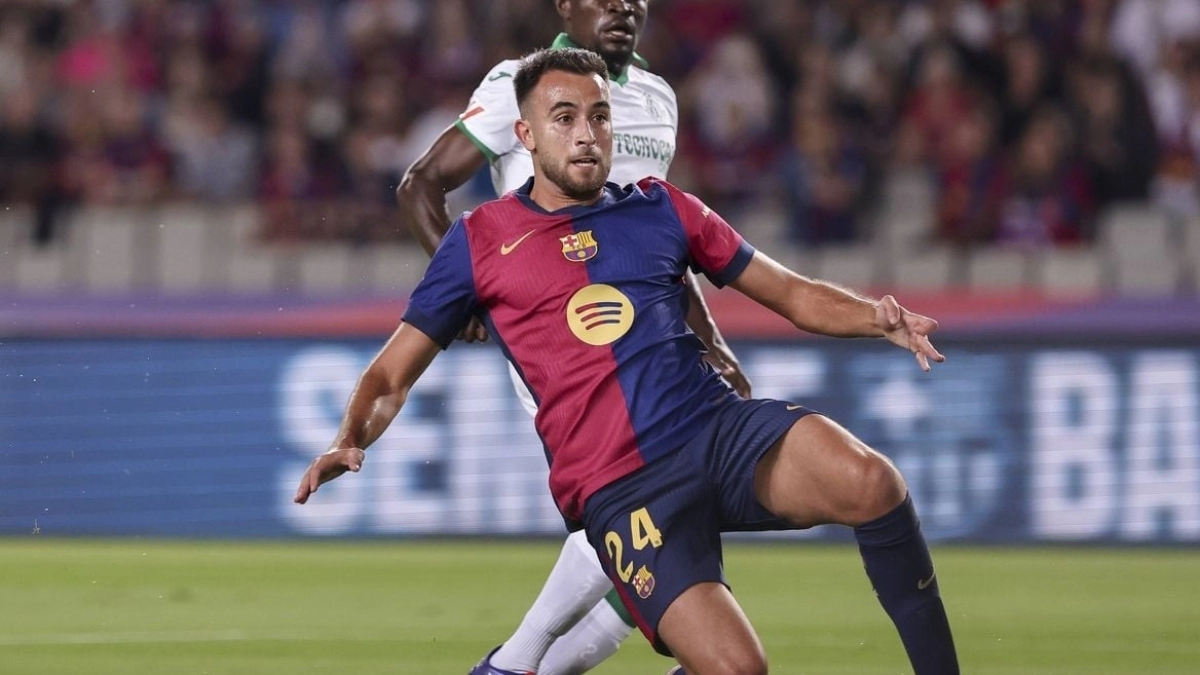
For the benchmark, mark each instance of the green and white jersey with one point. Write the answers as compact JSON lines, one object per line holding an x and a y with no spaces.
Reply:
{"x":645,"y":118}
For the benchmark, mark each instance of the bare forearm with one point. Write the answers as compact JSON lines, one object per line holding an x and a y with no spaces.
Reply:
{"x":719,"y":355}
{"x":828,"y":309}
{"x":423,"y":210}
{"x":375,"y":402}
{"x":448,"y":163}
{"x":811,"y":305}
{"x":372,"y":407}
{"x":699,"y":319}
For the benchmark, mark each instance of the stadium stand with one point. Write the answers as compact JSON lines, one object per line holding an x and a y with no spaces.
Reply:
{"x":182,"y":147}
{"x":998,"y":270}
{"x":1071,"y":272}
{"x":1190,"y":233}
{"x":1141,"y":247}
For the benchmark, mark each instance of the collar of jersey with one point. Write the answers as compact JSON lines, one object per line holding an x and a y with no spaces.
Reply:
{"x":612,"y":192}
{"x":563,"y":41}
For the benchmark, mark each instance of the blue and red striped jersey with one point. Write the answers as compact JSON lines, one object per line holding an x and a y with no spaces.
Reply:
{"x":589,"y":303}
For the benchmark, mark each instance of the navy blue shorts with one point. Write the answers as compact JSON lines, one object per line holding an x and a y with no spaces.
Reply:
{"x":658,"y":530}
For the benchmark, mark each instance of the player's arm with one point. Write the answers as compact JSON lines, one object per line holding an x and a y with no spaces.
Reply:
{"x":700,"y":320}
{"x":827,"y":309}
{"x":377,"y":398}
{"x":446,"y":165}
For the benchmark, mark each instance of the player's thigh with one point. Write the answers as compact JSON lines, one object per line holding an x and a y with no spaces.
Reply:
{"x":819,"y":473}
{"x":709,"y":634}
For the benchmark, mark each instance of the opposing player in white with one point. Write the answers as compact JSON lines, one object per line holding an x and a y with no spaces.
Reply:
{"x":571,"y":626}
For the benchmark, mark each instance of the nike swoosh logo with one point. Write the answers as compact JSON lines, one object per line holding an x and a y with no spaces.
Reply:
{"x":794,"y":407}
{"x":922,"y":584}
{"x":497,"y":76}
{"x":505,"y":249}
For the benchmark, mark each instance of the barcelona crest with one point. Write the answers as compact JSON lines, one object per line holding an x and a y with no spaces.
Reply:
{"x":643,"y":583}
{"x":580,"y":246}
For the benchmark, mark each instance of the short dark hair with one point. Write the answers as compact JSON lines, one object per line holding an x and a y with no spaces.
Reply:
{"x":571,"y":60}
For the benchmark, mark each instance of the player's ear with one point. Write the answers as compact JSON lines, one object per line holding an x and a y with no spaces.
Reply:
{"x":524,"y":134}
{"x":563,"y":7}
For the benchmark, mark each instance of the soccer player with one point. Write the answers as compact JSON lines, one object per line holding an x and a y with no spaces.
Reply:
{"x":645,"y":118}
{"x":650,"y":451}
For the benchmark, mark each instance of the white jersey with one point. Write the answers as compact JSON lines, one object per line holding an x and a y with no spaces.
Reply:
{"x":645,"y":118}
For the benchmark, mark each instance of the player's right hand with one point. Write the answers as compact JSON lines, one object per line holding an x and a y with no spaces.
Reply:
{"x":326,"y":467}
{"x":474,"y":332}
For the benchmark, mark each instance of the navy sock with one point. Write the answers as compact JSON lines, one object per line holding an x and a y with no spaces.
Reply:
{"x":899,"y":567}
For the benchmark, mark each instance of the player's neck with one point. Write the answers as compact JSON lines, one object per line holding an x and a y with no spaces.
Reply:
{"x":549,"y":197}
{"x":616,"y":69}
{"x":617,"y":62}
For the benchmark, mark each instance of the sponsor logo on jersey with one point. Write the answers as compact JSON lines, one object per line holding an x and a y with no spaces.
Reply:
{"x":599,"y":314}
{"x":643,"y":583}
{"x":580,"y":246}
{"x":644,"y":146}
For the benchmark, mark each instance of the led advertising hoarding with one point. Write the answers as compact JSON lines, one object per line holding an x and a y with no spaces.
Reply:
{"x":1006,"y":442}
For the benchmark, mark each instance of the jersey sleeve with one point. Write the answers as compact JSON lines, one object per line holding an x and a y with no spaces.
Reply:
{"x":672,"y":103}
{"x":716,"y":249}
{"x":445,"y":299}
{"x":491,"y":112}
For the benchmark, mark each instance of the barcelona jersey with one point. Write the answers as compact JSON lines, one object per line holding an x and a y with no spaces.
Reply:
{"x":588,"y":303}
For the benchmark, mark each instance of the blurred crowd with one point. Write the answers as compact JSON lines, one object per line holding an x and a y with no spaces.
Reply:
{"x":1027,"y":116}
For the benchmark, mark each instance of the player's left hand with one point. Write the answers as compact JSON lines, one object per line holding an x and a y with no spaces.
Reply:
{"x":907,"y":329}
{"x":326,"y":467}
{"x":722,"y":358}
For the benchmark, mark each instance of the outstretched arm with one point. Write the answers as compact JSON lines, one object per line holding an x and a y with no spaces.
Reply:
{"x":719,"y":354}
{"x":827,"y":309}
{"x":375,"y":402}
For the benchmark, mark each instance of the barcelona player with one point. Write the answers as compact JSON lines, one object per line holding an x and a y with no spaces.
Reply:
{"x":650,"y":451}
{"x":572,"y":625}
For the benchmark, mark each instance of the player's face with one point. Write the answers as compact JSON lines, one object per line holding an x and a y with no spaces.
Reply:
{"x":611,"y":28}
{"x":571,"y":132}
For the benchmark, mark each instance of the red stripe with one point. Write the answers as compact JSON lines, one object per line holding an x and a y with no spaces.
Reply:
{"x":584,"y":420}
{"x":631,"y":607}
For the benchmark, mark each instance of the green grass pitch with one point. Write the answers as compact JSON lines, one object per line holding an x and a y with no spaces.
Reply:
{"x":134,"y":607}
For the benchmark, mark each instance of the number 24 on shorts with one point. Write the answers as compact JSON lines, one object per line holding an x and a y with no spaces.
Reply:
{"x":642,"y":532}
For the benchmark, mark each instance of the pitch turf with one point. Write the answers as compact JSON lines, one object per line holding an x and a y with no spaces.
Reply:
{"x":406,"y":608}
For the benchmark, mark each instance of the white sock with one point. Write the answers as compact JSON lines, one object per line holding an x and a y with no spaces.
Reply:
{"x":573,"y":588}
{"x":595,"y":638}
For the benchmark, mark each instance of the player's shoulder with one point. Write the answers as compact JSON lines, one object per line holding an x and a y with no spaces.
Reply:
{"x":499,"y":78}
{"x":482,"y":211}
{"x":492,"y":213}
{"x":656,"y":84}
{"x":637,"y":73}
{"x":682,"y":202}
{"x":648,"y":193}
{"x":653,"y":185}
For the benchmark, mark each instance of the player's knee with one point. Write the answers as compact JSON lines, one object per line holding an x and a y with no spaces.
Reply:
{"x":881,"y":488}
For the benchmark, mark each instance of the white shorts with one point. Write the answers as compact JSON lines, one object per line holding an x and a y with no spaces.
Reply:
{"x":523,"y":393}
